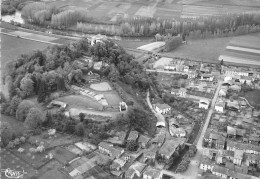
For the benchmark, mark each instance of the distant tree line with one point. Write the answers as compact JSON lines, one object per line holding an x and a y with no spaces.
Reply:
{"x":203,"y":27}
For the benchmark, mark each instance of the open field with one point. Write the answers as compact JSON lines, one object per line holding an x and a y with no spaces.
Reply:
{"x":112,"y":98}
{"x":81,"y":101}
{"x":206,"y":50}
{"x":17,"y":126}
{"x":12,"y":47}
{"x":253,"y":97}
{"x":133,"y":44}
{"x":103,"y":86}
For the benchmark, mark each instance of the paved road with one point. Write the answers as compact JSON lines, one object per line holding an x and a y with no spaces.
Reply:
{"x":193,"y":169}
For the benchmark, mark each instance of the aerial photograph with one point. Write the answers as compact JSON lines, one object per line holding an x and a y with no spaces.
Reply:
{"x":130,"y":89}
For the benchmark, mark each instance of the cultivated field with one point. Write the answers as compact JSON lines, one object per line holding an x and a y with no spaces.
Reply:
{"x":243,"y":50}
{"x":110,"y":10}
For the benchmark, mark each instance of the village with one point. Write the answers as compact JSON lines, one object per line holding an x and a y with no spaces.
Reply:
{"x":91,"y":109}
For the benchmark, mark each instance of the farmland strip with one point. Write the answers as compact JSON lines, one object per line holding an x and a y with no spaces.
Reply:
{"x":243,"y":46}
{"x":238,"y":60}
{"x":254,"y":51}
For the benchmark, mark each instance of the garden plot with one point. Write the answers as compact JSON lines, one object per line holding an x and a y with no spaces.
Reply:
{"x":54,"y":141}
{"x":9,"y":160}
{"x":103,"y":86}
{"x":35,"y":159}
{"x":63,"y":156}
{"x":151,"y":46}
{"x":146,"y":11}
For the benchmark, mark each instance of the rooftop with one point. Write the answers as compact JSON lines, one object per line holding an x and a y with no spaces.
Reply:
{"x":162,"y":106}
{"x":152,"y":172}
{"x":133,"y":135}
{"x":169,"y":146}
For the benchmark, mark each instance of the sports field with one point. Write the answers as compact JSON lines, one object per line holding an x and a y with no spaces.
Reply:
{"x":110,"y":10}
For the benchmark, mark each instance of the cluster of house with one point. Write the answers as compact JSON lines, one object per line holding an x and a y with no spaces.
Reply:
{"x":237,"y":161}
{"x":240,"y":71}
{"x":86,"y":92}
{"x":137,"y":164}
{"x":193,"y":69}
{"x":195,"y":88}
{"x":235,"y":147}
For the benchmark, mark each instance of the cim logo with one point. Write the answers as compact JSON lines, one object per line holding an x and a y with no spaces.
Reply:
{"x":13,"y":174}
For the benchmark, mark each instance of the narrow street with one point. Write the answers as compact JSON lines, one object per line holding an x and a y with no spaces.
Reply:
{"x":193,"y":169}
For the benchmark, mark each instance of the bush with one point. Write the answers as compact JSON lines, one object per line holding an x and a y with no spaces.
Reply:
{"x":6,"y":136}
{"x":132,"y":145}
{"x":79,"y":129}
{"x":172,"y":43}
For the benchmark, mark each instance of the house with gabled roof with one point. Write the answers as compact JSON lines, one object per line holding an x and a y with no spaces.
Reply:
{"x":110,"y":150}
{"x":152,"y":173}
{"x":252,"y":159}
{"x":238,"y":157}
{"x":206,"y":164}
{"x":170,"y":147}
{"x":143,"y":140}
{"x":133,"y":135}
{"x":117,"y":164}
{"x":204,"y":103}
{"x":220,"y":106}
{"x":162,"y":108}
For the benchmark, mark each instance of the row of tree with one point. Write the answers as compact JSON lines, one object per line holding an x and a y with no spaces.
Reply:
{"x":49,"y":15}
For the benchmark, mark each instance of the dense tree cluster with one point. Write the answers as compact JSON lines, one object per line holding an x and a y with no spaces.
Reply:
{"x":49,"y":15}
{"x":9,"y":7}
{"x":173,"y":43}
